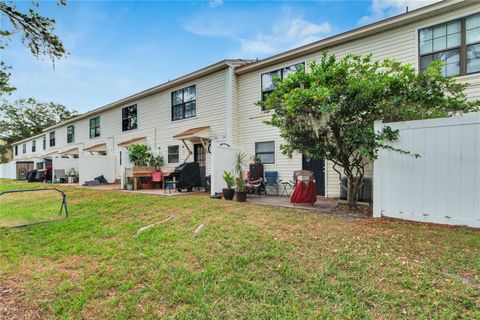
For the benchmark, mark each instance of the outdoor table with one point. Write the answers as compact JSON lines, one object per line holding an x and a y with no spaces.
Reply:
{"x":287,"y":188}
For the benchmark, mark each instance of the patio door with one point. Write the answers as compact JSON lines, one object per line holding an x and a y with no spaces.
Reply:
{"x":317,"y":166}
{"x":200,"y":157}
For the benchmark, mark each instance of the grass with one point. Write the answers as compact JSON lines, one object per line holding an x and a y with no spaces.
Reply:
{"x":249,"y":262}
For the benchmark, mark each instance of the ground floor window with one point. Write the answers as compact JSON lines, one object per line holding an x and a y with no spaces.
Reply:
{"x":173,"y":154}
{"x":265,"y":151}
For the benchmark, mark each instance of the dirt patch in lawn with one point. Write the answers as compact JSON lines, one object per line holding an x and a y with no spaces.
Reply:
{"x":12,"y":303}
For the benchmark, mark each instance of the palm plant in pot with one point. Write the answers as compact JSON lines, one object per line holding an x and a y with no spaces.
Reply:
{"x":229,"y":179}
{"x":240,"y":161}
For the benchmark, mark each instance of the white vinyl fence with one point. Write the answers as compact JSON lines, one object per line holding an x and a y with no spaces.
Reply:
{"x":443,"y":184}
{"x":92,"y":166}
{"x":222,"y":160}
{"x":8,"y":170}
{"x":65,"y":163}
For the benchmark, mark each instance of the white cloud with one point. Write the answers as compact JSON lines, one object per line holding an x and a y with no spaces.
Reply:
{"x":215,"y":3}
{"x":286,"y":33}
{"x":381,"y":9}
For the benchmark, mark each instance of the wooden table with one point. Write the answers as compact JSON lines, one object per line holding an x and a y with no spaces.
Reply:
{"x":141,"y":172}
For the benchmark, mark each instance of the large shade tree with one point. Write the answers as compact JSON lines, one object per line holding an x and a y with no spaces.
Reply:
{"x":27,"y":117}
{"x":36,"y":33}
{"x":329,"y":111}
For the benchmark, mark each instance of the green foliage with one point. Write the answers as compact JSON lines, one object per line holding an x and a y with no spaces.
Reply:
{"x":256,"y":159}
{"x":4,"y":149}
{"x":156,"y":161}
{"x":139,"y":154}
{"x":329,"y":112}
{"x":36,"y":31}
{"x":229,"y":179}
{"x":240,"y":161}
{"x":27,"y":117}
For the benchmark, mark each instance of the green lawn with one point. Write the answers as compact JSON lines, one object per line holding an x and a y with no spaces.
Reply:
{"x":249,"y":262}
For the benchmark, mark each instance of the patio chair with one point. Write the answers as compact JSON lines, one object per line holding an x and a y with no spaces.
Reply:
{"x":271,"y":181}
{"x":157,"y":178}
{"x":59,"y":174}
{"x":255,"y":187}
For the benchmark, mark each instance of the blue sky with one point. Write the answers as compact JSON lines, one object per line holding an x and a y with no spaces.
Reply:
{"x":118,"y":48}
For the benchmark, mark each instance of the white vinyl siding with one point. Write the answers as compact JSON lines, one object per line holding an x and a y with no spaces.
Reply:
{"x":400,"y":43}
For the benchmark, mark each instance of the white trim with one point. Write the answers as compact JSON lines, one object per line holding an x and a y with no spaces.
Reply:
{"x":229,"y":107}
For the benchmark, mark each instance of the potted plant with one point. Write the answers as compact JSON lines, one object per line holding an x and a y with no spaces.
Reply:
{"x":129,"y":184}
{"x":256,"y":159}
{"x":239,"y":164}
{"x":141,"y":156}
{"x":156,"y":161}
{"x":229,"y":179}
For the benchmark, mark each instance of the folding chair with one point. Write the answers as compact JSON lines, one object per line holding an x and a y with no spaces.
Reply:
{"x":157,"y":178}
{"x":271,"y":181}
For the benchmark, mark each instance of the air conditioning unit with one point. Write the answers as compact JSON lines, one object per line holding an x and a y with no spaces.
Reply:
{"x":365,"y":193}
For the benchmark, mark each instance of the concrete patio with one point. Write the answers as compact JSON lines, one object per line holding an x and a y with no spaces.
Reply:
{"x":322,"y":204}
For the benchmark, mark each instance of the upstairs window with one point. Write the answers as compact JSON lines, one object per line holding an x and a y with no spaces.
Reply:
{"x":34,"y":146}
{"x":265,"y":151}
{"x":44,"y":142}
{"x":184,"y":103}
{"x":173,"y":154}
{"x":52,"y":139}
{"x":24,"y":148}
{"x":70,"y":134}
{"x":456,"y":43}
{"x":95,"y":127}
{"x":472,"y":26}
{"x":268,"y":84}
{"x":129,"y":118}
{"x":16,"y":150}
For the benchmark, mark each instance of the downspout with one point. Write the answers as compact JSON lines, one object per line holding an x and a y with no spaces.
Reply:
{"x":229,"y":106}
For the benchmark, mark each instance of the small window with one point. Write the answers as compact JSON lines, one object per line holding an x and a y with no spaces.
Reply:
{"x":70,"y":134}
{"x":16,"y":150}
{"x":265,"y":151}
{"x":184,"y":103}
{"x":34,"y":146}
{"x":52,"y":139}
{"x":173,"y":154}
{"x":129,"y":118}
{"x":95,"y":127}
{"x":24,"y":148}
{"x":268,"y":84}
{"x":44,"y":142}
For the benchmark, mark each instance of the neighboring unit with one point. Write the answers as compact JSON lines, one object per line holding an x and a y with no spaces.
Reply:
{"x":216,"y":104}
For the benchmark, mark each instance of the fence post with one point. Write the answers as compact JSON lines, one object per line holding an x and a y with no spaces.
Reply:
{"x":377,"y":180}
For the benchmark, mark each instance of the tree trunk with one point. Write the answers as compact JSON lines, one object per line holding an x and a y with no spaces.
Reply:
{"x":352,"y":191}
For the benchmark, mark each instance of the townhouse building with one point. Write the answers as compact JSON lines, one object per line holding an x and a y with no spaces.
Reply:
{"x":218,"y":103}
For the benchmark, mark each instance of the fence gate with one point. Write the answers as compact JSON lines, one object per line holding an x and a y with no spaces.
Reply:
{"x":443,"y":184}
